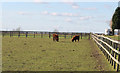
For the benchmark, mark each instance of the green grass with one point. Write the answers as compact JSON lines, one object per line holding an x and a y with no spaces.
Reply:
{"x":114,"y":37}
{"x":42,"y":54}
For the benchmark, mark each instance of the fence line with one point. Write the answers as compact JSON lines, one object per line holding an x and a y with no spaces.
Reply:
{"x":110,"y":48}
{"x":43,"y":34}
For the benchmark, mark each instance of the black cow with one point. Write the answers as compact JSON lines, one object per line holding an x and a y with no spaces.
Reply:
{"x":76,"y":37}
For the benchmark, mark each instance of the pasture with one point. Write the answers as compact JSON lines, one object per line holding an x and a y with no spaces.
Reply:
{"x":114,"y":37}
{"x":42,"y":54}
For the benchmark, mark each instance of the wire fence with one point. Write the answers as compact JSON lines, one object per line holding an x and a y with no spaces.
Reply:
{"x":39,"y":34}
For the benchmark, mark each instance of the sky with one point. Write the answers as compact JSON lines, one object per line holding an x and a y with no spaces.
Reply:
{"x":63,"y":16}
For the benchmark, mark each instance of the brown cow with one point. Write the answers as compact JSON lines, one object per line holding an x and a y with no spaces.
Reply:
{"x":76,"y":37}
{"x":55,"y":37}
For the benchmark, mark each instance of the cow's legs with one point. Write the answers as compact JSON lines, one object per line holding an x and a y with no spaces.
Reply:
{"x":53,"y":39}
{"x":57,"y":40}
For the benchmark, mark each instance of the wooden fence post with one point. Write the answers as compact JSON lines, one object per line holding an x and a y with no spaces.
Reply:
{"x":3,"y":34}
{"x":41,"y":34}
{"x":89,"y":36}
{"x":118,"y":58}
{"x":65,"y":35}
{"x":19,"y":34}
{"x":26,"y":34}
{"x":113,"y":52}
{"x":49,"y":35}
{"x":110,"y":51}
{"x":81,"y":35}
{"x":34,"y":34}
{"x":116,"y":46}
{"x":100,"y":42}
{"x":10,"y":34}
{"x":107,"y":49}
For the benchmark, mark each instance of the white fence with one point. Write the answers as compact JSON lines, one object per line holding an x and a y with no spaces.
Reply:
{"x":110,"y":48}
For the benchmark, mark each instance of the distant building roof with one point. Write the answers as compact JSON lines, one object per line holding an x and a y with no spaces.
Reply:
{"x":116,"y":31}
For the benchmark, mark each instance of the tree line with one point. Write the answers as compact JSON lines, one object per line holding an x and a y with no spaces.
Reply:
{"x":115,"y":22}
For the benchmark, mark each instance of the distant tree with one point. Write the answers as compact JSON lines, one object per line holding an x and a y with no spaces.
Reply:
{"x":116,"y":19}
{"x":18,"y":29}
{"x":13,"y":29}
{"x":55,"y":30}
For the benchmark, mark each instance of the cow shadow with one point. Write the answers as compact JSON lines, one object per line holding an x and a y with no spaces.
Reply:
{"x":65,"y":41}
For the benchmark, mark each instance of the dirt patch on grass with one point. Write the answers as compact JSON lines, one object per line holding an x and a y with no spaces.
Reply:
{"x":97,"y":56}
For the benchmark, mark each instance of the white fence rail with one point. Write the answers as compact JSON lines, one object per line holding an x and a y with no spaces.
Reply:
{"x":110,"y":48}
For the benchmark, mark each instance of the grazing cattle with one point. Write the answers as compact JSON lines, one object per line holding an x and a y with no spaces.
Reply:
{"x":55,"y":37}
{"x":76,"y":37}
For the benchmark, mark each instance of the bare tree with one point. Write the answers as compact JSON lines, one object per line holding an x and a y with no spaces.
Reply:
{"x":110,"y":24}
{"x":18,"y":29}
{"x":55,"y":30}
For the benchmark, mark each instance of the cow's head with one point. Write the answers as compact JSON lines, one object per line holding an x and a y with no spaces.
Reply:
{"x":73,"y":39}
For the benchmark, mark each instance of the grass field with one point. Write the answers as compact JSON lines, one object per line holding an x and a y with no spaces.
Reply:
{"x":114,"y":37}
{"x":42,"y":54}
